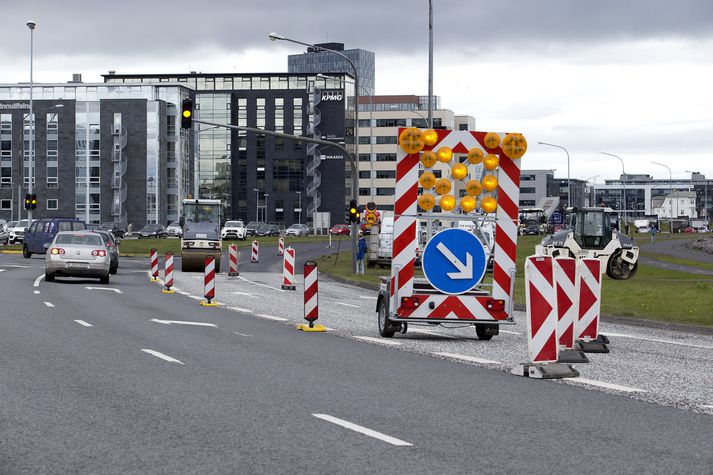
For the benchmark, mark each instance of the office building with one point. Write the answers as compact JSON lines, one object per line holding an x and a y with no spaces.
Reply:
{"x":315,"y":61}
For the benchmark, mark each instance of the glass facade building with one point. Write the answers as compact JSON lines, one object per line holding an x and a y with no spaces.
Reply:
{"x":316,"y":61}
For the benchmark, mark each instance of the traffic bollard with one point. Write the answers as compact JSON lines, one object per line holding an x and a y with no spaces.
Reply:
{"x":255,"y":254}
{"x":281,"y":246}
{"x":168,"y":273}
{"x":233,"y":260}
{"x":154,"y":265}
{"x":586,"y":327}
{"x":311,"y":298}
{"x":288,"y":269}
{"x":209,"y":282}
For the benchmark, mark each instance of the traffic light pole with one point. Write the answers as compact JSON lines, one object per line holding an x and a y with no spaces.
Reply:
{"x":302,"y":138}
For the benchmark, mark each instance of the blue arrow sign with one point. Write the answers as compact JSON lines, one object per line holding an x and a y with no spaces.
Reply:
{"x":454,"y":261}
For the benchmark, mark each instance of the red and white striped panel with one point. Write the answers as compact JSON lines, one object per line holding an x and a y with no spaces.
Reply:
{"x":288,"y":269}
{"x":255,"y":254}
{"x":590,"y":298}
{"x":453,"y":307}
{"x":209,"y":278}
{"x":565,"y":279}
{"x":280,"y":246}
{"x":154,"y":264}
{"x":311,"y":273}
{"x":233,"y":260}
{"x":541,"y":305}
{"x":168,"y":271}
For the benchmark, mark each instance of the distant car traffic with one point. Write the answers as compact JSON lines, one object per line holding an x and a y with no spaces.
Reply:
{"x":77,"y":254}
{"x":268,"y":230}
{"x":43,"y":231}
{"x":117,"y":229}
{"x":531,"y":229}
{"x":153,"y":231}
{"x":297,"y":230}
{"x":251,"y":228}
{"x":175,"y":229}
{"x":702,"y":229}
{"x":112,"y":247}
{"x":340,"y":229}
{"x":4,"y":236}
{"x":233,"y":230}
{"x":17,"y":230}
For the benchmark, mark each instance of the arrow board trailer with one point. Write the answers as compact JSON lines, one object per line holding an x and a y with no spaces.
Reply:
{"x":454,"y":260}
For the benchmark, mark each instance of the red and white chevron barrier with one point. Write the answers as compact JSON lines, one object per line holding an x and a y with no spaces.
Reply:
{"x":311,"y":298}
{"x":565,"y":269}
{"x":233,"y":260}
{"x":209,"y":282}
{"x":168,"y":273}
{"x":288,"y":269}
{"x":154,"y":265}
{"x":541,"y":305}
{"x":255,"y":254}
{"x":590,"y":292}
{"x":281,"y":246}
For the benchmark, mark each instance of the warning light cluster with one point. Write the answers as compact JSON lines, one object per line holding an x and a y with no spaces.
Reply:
{"x":413,"y":140}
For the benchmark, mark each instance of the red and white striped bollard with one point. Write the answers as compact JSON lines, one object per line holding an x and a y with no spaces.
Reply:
{"x":589,"y":287}
{"x":233,"y":260}
{"x":209,"y":282}
{"x":168,"y":273}
{"x":154,"y":265}
{"x":311,"y":298}
{"x":288,"y":269}
{"x":281,"y":246}
{"x":255,"y":254}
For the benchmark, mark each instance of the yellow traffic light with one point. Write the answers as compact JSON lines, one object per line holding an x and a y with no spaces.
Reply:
{"x":430,"y":137}
{"x":489,"y":204}
{"x":467,"y":203}
{"x":459,"y":171}
{"x":492,"y":140}
{"x":475,"y":156}
{"x":489,"y":183}
{"x":443,"y":186}
{"x":427,"y":202}
{"x":473,"y":187}
{"x":447,"y":202}
{"x":428,"y":159}
{"x":427,"y":180}
{"x":490,"y":162}
{"x":411,"y":140}
{"x":444,"y":154}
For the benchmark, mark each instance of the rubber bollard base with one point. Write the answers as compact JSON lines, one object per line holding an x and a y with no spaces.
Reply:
{"x":233,"y":274}
{"x":205,"y":303}
{"x":571,"y":356}
{"x":316,"y":328}
{"x":288,"y":287}
{"x":545,"y":370}
{"x":591,"y":346}
{"x":169,"y":291}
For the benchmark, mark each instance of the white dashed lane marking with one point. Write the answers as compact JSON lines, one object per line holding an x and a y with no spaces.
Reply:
{"x":270,"y":317}
{"x":160,"y":355}
{"x":606,"y":385}
{"x":83,"y":323}
{"x":474,"y":359}
{"x":363,"y":430}
{"x":49,"y":304}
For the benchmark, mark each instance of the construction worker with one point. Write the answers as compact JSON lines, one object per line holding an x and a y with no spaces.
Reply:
{"x":361,"y":253}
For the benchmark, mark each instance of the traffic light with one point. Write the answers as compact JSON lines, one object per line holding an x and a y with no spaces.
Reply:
{"x":33,"y":201}
{"x":353,"y":212}
{"x":186,"y":114}
{"x":28,"y":200}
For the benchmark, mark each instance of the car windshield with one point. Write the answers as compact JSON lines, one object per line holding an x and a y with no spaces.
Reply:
{"x":296,"y":226}
{"x":175,"y":224}
{"x":79,"y":239}
{"x":150,"y":227}
{"x":233,"y":224}
{"x":201,"y":213}
{"x":22,"y":224}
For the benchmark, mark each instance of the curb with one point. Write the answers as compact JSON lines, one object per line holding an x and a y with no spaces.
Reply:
{"x":344,"y":280}
{"x":10,"y":252}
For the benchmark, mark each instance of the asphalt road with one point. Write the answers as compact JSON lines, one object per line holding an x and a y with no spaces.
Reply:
{"x":91,"y":383}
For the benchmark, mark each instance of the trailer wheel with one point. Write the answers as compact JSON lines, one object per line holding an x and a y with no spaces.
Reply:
{"x":482,"y":332}
{"x":385,"y":328}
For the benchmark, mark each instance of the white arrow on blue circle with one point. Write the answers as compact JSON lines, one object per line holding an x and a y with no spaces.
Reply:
{"x":465,"y":271}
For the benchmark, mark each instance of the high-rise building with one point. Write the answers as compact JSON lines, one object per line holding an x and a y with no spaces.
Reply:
{"x":315,"y":61}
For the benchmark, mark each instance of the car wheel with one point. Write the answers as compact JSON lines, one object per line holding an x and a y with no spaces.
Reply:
{"x":49,"y":277}
{"x":104,"y":280}
{"x":113,"y":269}
{"x":26,"y":252}
{"x":385,"y":329}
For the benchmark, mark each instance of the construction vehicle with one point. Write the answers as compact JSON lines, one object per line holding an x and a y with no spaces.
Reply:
{"x":590,"y":235}
{"x":200,"y":222}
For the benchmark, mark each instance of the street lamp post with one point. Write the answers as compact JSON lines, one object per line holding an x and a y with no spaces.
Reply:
{"x":31,"y":25}
{"x":569,"y":188}
{"x":265,"y":214}
{"x":670,"y":190}
{"x":257,"y":204}
{"x":355,"y":167}
{"x":623,"y":178}
{"x":299,"y":213}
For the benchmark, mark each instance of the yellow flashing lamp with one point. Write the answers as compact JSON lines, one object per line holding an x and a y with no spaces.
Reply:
{"x":426,"y":202}
{"x":490,"y":162}
{"x":427,"y":180}
{"x":430,"y":137}
{"x":467,"y":204}
{"x":411,"y":140}
{"x":443,"y":186}
{"x":448,"y":203}
{"x":459,"y":171}
{"x":473,"y":187}
{"x":491,"y":140}
{"x":444,"y":154}
{"x":489,"y":204}
{"x":489,"y":183}
{"x":428,"y":159}
{"x":475,"y":156}
{"x":514,"y":145}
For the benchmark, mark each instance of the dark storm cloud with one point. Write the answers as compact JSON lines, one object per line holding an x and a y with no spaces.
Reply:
{"x":146,"y":28}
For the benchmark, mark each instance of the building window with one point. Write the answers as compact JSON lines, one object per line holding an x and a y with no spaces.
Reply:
{"x":527,"y":189}
{"x":385,"y":139}
{"x":364,"y":157}
{"x":52,"y":204}
{"x":52,"y":156}
{"x":364,"y":122}
{"x":364,"y":140}
{"x":385,"y":191}
{"x":5,"y":204}
{"x":527,"y":178}
{"x":365,"y":174}
{"x":280,"y":113}
{"x":260,"y":117}
{"x":385,"y":173}
{"x":462,"y":126}
{"x":364,"y":192}
{"x":385,"y":157}
{"x":391,"y":122}
{"x":527,"y":202}
{"x":6,"y":150}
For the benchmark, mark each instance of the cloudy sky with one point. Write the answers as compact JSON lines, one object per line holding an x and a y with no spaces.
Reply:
{"x":628,"y":77}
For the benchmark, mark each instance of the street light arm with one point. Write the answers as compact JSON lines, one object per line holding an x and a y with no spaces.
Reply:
{"x":569,"y":187}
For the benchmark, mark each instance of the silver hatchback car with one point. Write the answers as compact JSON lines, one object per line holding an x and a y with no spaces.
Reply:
{"x":77,"y":254}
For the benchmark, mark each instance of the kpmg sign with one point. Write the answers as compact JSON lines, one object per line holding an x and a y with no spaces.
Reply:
{"x":332,"y":95}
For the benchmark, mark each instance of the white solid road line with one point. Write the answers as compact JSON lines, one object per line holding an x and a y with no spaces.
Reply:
{"x":706,"y":406}
{"x":36,"y":292}
{"x":16,"y":266}
{"x":261,"y":285}
{"x":602,"y":384}
{"x":246,"y":294}
{"x":3,"y":270}
{"x":158,"y":354}
{"x":670,"y":342}
{"x":510,"y":332}
{"x":474,"y":359}
{"x":183,"y":322}
{"x":196,"y":297}
{"x":240,"y":309}
{"x":380,"y":341}
{"x":83,"y":323}
{"x":37,"y":280}
{"x":367,"y":297}
{"x":363,"y":430}
{"x":242,"y":334}
{"x":182,"y":292}
{"x":429,"y":332}
{"x":105,"y":288}
{"x":270,"y":317}
{"x":49,"y":304}
{"x":347,"y":305}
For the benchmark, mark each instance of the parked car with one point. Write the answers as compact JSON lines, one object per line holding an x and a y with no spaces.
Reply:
{"x":77,"y":254}
{"x":340,"y":229}
{"x":233,"y":230}
{"x":175,"y":229}
{"x":297,"y":230}
{"x":117,"y":229}
{"x":703,"y":229}
{"x":268,"y":230}
{"x":17,"y":230}
{"x":4,"y":236}
{"x":112,"y":247}
{"x":251,"y":228}
{"x":153,"y":231}
{"x":531,"y":229}
{"x":43,"y":231}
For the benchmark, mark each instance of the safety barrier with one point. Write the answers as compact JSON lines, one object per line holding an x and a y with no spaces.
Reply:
{"x":233,"y":260}
{"x":168,"y":273}
{"x":589,"y":292}
{"x":154,"y":265}
{"x":255,"y":254}
{"x":311,"y":298}
{"x":288,"y":269}
{"x":281,"y":246}
{"x":209,"y":282}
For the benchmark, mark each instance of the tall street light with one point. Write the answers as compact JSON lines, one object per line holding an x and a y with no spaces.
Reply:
{"x":355,"y":166}
{"x":257,"y":204}
{"x":569,"y":188}
{"x":670,"y":190}
{"x":299,"y":215}
{"x":31,"y":25}
{"x":623,"y":177}
{"x":265,"y":214}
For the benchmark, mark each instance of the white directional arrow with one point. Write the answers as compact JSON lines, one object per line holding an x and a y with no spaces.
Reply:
{"x":105,"y":288}
{"x":181,"y":322}
{"x":465,"y":271}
